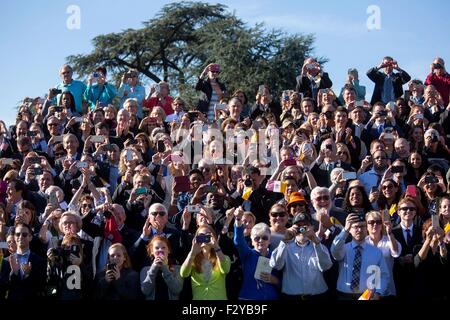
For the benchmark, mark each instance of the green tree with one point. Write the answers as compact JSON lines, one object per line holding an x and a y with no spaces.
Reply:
{"x":185,"y":37}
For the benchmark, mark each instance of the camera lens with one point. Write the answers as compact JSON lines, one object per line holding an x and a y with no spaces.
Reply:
{"x":248,"y":182}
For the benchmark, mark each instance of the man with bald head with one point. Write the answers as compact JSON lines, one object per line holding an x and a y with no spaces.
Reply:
{"x":157,"y":223}
{"x":402,"y":149}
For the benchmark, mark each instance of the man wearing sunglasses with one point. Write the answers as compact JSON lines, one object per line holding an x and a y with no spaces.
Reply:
{"x":157,"y":223}
{"x":28,"y":270}
{"x":302,"y":259}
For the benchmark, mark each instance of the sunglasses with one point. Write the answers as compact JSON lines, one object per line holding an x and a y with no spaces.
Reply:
{"x":372,"y":222}
{"x":341,"y":153}
{"x":85,"y":205}
{"x":23,"y":234}
{"x":278,"y":214}
{"x":264,"y":238}
{"x":407,"y":209}
{"x":52,"y":124}
{"x":323,"y":198}
{"x":389,"y":186}
{"x":160,"y":213}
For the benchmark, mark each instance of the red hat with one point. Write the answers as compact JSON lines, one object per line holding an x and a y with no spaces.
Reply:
{"x":214,"y":67}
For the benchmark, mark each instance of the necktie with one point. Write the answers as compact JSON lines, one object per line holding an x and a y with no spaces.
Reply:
{"x":408,"y":237}
{"x":380,"y":128}
{"x":356,"y":269}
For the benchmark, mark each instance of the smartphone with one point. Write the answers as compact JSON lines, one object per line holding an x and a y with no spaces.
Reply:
{"x":359,"y":103}
{"x":58,"y":138}
{"x":58,"y":109}
{"x":110,"y":266}
{"x":419,"y":116}
{"x":56,"y":91}
{"x":349,"y":175}
{"x":129,"y":155}
{"x":7,"y":161}
{"x":82,"y":164}
{"x":261,"y":89}
{"x":210,"y":189}
{"x":374,"y":189}
{"x":411,"y":191}
{"x":182,"y":184}
{"x":435,"y":220}
{"x":95,"y":75}
{"x":142,"y":190}
{"x":176,"y":158}
{"x":221,"y":106}
{"x":53,"y":199}
{"x":193,"y":208}
{"x":98,"y":139}
{"x":203,"y":238}
{"x":286,"y":95}
{"x":431,"y":179}
{"x":386,"y":215}
{"x":407,"y":95}
{"x":290,"y":162}
{"x":397,"y":169}
{"x":391,"y":105}
{"x":160,"y":146}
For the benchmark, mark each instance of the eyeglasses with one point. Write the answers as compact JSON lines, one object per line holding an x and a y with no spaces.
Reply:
{"x":264,"y":238}
{"x":389,"y":186}
{"x":407,"y":209}
{"x":323,"y":198}
{"x":372,"y":222}
{"x":86,"y":205}
{"x":23,"y":234}
{"x":160,"y":213}
{"x":278,"y":214}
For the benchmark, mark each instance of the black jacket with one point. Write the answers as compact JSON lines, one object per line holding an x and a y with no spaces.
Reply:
{"x":398,"y":80}
{"x":304,"y":85}
{"x":205,"y":87}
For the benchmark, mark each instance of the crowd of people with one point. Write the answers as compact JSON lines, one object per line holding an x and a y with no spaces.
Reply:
{"x":117,"y":193}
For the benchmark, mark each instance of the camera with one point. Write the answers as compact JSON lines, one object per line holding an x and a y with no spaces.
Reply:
{"x":434,"y":138}
{"x":382,"y":114}
{"x":58,"y":109}
{"x":107,"y":214}
{"x":437,"y":66}
{"x":96,"y":75}
{"x":37,"y":171}
{"x":302,"y":229}
{"x":431,"y":179}
{"x":329,"y":147}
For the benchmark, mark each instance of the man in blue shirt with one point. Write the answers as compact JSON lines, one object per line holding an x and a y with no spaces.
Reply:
{"x":75,"y":87}
{"x":361,"y":265}
{"x":372,"y":178}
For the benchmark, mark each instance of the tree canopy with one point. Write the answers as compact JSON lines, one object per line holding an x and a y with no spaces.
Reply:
{"x":183,"y":38}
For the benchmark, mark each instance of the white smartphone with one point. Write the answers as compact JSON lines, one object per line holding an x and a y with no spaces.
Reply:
{"x":221,"y":106}
{"x":359,"y":103}
{"x":349,"y":175}
{"x":435,"y":220}
{"x":192,"y":208}
{"x":98,"y":139}
{"x":82,"y":164}
{"x":262,"y":266}
{"x":392,"y":105}
{"x":419,"y":115}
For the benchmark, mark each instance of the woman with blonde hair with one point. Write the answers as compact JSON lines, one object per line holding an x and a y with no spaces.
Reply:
{"x":207,"y":266}
{"x":380,"y":235}
{"x":119,"y":281}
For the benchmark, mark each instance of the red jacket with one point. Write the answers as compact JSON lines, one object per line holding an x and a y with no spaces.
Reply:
{"x":154,"y":101}
{"x":442,"y":84}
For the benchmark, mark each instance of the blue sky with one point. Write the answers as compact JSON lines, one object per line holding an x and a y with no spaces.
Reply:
{"x":35,"y":40}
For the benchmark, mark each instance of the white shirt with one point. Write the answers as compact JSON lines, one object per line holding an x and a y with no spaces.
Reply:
{"x":388,"y":255}
{"x":406,"y":234}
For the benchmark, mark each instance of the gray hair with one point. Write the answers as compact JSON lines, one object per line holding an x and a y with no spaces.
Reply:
{"x":159,"y":205}
{"x":317,"y":190}
{"x":260,"y":228}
